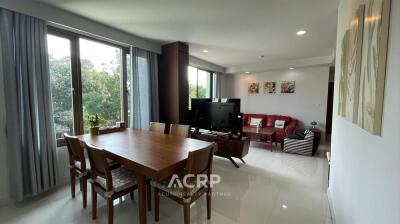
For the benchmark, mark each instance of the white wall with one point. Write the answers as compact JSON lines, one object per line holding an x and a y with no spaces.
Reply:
{"x":365,"y":169}
{"x":308,"y":103}
{"x":227,"y":85}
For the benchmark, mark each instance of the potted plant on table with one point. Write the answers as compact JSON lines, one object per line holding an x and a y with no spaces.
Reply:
{"x":94,"y":121}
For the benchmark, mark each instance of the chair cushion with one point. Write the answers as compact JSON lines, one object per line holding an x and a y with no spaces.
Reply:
{"x":176,"y":190}
{"x":121,"y":178}
{"x":78,"y":164}
{"x":110,"y":163}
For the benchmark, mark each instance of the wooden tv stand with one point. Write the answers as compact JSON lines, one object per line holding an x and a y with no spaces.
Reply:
{"x":227,"y":147}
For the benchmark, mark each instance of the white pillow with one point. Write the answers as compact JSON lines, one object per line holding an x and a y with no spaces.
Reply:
{"x":279,"y":124}
{"x":255,"y":121}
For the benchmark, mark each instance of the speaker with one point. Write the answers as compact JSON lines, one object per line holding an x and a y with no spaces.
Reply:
{"x":237,"y":126}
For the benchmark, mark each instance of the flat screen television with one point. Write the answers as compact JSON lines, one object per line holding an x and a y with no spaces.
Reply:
{"x":216,"y":115}
{"x":200,"y":113}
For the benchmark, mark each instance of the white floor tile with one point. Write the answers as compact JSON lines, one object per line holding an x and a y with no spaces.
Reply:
{"x":272,"y":188}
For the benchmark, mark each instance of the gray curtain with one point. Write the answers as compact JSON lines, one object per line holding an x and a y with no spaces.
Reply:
{"x":217,"y":85}
{"x":29,"y":119}
{"x":144,"y":89}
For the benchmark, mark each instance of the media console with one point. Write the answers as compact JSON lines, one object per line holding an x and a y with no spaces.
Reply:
{"x":228,"y":147}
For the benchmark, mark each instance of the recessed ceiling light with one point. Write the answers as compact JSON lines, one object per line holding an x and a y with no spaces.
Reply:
{"x":284,"y":206}
{"x":247,"y":72}
{"x":205,"y":51}
{"x":291,"y":68}
{"x":301,"y":32}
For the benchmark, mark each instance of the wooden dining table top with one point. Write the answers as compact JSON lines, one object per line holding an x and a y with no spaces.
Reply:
{"x":151,"y":154}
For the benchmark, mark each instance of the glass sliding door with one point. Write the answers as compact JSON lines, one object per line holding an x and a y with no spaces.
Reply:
{"x":200,"y":83}
{"x":101,"y":72}
{"x":59,"y":50}
{"x":203,"y":84}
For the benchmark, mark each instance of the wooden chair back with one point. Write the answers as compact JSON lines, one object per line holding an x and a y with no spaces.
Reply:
{"x":99,"y":165}
{"x":75,"y":151}
{"x":179,"y":130}
{"x":157,"y":127}
{"x":200,"y":161}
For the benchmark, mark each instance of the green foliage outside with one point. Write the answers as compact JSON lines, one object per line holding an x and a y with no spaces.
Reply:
{"x":193,"y":94}
{"x":100,"y":94}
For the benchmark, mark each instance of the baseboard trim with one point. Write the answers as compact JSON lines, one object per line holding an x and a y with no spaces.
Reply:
{"x":328,"y":191}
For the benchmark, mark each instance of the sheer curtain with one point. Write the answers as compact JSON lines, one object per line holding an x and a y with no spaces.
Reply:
{"x":28,"y":108}
{"x":144,"y":89}
{"x":217,"y":85}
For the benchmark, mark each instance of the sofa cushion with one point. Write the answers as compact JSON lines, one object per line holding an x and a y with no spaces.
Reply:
{"x":272,"y":118}
{"x":280,"y":124}
{"x":247,"y":119}
{"x":284,"y":118}
{"x":270,"y":122}
{"x":255,"y":121}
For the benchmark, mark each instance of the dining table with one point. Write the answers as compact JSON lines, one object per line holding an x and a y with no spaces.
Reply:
{"x":148,"y":154}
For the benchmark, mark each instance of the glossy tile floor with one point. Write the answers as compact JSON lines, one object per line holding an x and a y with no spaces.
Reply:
{"x":272,"y":188}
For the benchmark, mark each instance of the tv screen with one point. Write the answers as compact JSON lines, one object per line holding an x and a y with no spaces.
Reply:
{"x":222,"y":115}
{"x":216,"y":115}
{"x":201,"y":116}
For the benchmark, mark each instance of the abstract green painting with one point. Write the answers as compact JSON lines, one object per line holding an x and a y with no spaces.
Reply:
{"x":351,"y":67}
{"x":373,"y":65}
{"x":354,"y":64}
{"x":343,"y":75}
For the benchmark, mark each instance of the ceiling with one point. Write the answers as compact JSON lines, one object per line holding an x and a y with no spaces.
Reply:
{"x":235,"y":32}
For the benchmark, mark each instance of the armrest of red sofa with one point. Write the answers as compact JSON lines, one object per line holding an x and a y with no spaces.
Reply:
{"x":291,"y":127}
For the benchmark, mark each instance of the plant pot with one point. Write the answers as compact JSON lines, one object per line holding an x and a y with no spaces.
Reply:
{"x":94,"y":131}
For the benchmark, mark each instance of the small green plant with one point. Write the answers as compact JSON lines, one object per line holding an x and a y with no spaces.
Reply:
{"x":95,"y":120}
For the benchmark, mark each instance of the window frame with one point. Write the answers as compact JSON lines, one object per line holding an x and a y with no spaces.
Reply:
{"x":212,"y":74}
{"x":76,"y":77}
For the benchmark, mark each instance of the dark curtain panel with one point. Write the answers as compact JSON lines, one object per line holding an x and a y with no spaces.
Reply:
{"x":29,"y":120}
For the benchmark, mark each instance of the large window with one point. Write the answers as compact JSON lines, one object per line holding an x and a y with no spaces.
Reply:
{"x":200,"y":83}
{"x":87,"y":77}
{"x":61,"y":86}
{"x":101,"y":81}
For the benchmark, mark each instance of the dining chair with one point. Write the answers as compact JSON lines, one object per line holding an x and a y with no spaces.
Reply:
{"x":109,"y":183}
{"x":78,"y":166}
{"x":198,"y":162}
{"x":179,"y":130}
{"x":157,"y":127}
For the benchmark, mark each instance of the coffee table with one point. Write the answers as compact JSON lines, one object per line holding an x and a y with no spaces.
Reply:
{"x":263,"y":134}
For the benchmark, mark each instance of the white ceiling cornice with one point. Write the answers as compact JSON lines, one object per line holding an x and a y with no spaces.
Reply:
{"x":285,"y":64}
{"x":200,"y":63}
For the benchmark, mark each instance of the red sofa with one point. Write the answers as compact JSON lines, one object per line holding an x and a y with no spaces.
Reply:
{"x":268,"y":121}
